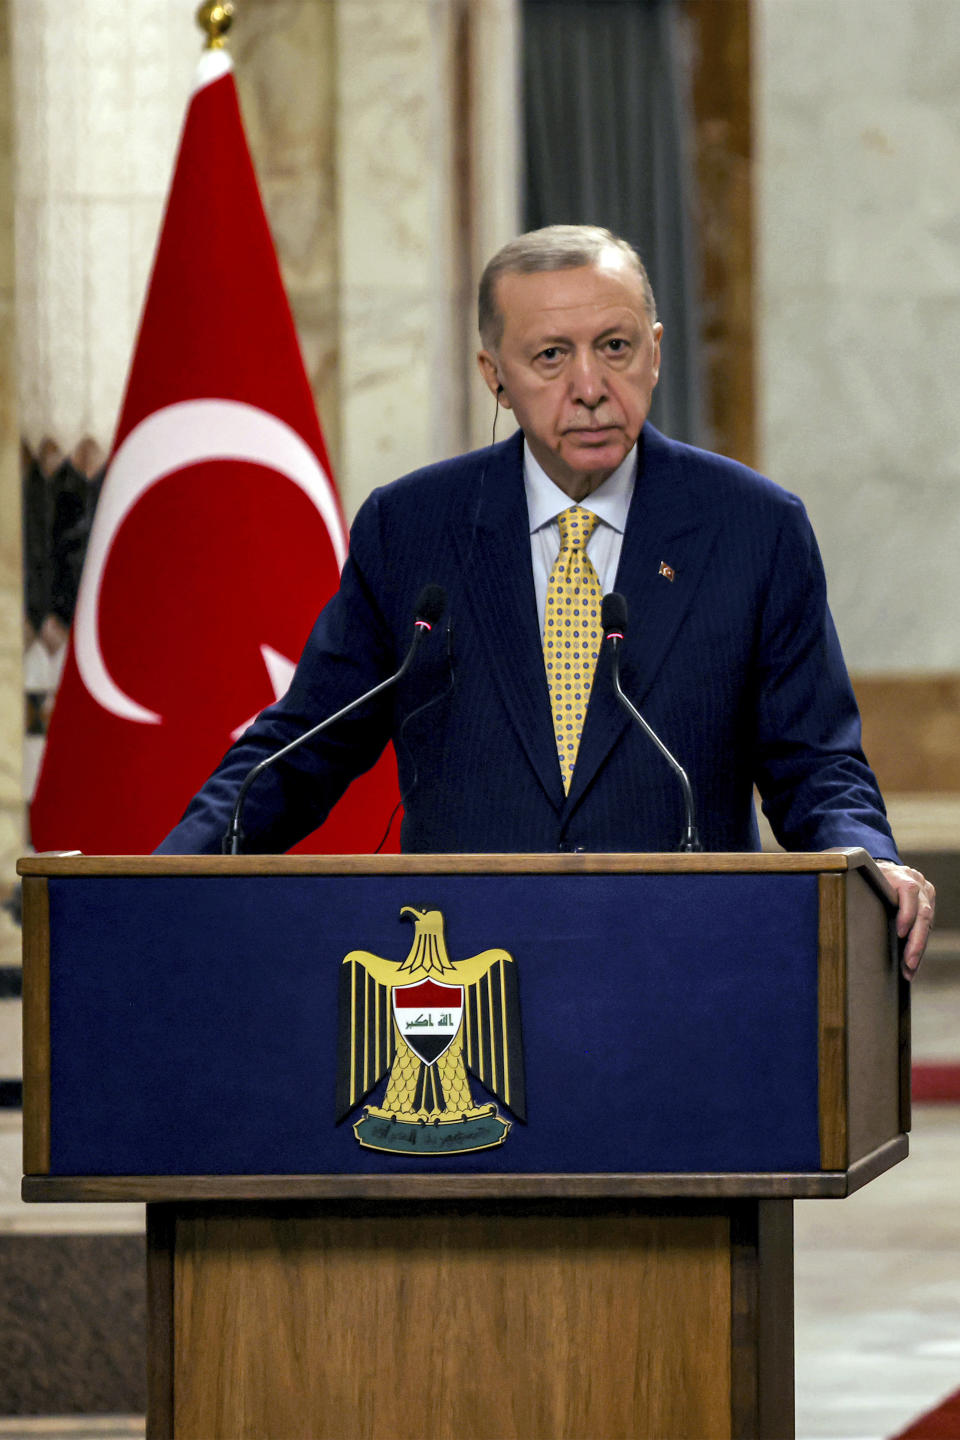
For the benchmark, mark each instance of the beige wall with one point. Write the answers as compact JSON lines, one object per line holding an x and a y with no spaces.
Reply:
{"x":858,"y":323}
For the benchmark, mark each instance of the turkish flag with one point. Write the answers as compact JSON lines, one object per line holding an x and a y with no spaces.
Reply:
{"x":218,"y":535}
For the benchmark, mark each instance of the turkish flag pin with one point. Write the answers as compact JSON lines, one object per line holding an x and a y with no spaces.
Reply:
{"x":667,"y":571}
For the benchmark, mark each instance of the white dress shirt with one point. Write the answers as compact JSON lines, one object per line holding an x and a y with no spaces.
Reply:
{"x":610,"y":502}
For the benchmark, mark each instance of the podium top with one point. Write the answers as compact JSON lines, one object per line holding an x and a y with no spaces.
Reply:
{"x":582,"y":863}
{"x":195,"y":1006}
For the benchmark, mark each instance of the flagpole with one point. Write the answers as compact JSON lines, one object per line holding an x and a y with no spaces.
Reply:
{"x":215,"y":19}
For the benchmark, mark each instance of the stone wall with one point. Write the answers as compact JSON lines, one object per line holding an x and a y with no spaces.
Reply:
{"x":858,"y":318}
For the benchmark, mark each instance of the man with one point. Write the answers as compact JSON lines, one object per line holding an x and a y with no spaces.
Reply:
{"x":508,"y":733}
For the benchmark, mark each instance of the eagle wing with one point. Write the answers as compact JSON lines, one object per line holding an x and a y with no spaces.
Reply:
{"x":365,"y":1043}
{"x":493,"y":1048}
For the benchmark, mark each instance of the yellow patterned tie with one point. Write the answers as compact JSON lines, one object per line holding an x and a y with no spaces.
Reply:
{"x":572,"y":634}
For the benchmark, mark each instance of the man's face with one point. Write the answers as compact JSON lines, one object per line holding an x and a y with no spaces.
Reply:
{"x":578,"y":362}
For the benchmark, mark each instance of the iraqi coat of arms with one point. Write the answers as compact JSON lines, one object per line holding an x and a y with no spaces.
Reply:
{"x":430,"y":1021}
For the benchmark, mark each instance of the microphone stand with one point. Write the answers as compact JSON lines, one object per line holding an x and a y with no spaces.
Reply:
{"x":690,"y":840}
{"x":230,"y":844}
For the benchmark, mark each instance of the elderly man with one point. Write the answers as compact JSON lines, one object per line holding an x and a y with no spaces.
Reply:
{"x":508,"y":734}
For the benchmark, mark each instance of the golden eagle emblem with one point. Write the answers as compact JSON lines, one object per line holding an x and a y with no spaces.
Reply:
{"x":430,"y":1021}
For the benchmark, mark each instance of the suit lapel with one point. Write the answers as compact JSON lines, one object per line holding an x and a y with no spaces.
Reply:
{"x":495,"y":559}
{"x":670,"y":523}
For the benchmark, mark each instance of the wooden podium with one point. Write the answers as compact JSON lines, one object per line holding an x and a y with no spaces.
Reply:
{"x":704,"y":1038}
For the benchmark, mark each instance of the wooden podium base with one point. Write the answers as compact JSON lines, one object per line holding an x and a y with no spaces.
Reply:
{"x":531,"y":1320}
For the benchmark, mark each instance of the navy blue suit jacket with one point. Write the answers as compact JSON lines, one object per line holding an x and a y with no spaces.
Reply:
{"x":735,"y":663}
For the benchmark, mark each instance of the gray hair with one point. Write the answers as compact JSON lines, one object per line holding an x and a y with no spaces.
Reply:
{"x":555,"y":247}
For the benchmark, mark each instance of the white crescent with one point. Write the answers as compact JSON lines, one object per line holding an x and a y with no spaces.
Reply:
{"x":184,"y":434}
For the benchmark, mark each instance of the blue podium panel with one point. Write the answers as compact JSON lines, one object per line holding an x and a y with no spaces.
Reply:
{"x":669,"y":1022}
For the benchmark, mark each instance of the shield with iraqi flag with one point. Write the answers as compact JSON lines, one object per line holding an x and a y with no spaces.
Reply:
{"x":428,"y":1017}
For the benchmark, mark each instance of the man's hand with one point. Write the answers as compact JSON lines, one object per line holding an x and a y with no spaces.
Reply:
{"x":918,"y":900}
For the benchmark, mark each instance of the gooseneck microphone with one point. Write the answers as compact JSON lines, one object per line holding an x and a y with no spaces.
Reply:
{"x":613,"y":617}
{"x":430,"y":606}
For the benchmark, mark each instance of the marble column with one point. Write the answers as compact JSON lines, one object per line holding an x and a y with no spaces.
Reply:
{"x":99,"y":93}
{"x":285,"y":65}
{"x":859,"y":313}
{"x":427,"y":182}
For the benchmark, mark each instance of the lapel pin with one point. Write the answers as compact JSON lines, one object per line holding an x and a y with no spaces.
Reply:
{"x":667,"y":571}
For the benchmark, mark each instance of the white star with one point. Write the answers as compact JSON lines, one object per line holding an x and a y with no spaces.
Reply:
{"x":280,"y":670}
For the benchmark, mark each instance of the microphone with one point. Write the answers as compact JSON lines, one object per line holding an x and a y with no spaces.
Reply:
{"x":430,"y":606}
{"x":613,"y":617}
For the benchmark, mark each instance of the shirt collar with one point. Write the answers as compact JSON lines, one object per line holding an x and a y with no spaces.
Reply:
{"x":610,"y":502}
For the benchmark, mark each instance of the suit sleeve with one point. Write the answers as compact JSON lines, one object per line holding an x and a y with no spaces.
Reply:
{"x":350,"y":650}
{"x":818,"y":790}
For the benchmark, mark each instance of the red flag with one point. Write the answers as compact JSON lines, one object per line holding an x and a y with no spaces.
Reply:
{"x":218,"y":535}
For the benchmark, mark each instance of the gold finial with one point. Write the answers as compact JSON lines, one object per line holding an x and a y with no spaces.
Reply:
{"x":216,"y":20}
